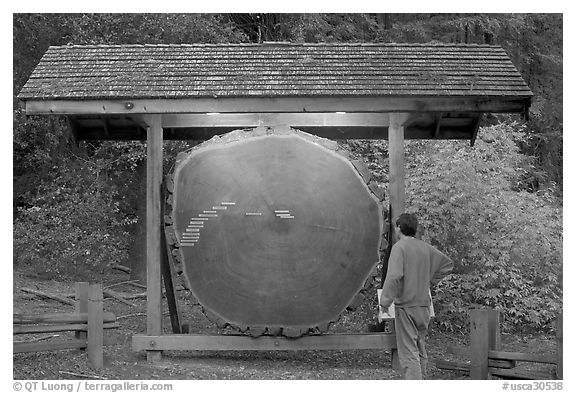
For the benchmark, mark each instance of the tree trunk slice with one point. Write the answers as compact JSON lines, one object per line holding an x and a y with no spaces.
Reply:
{"x":277,"y":230}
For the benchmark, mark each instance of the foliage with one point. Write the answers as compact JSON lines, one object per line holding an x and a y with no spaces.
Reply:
{"x":471,"y":203}
{"x":507,"y":243}
{"x":75,"y":205}
{"x":73,"y":225}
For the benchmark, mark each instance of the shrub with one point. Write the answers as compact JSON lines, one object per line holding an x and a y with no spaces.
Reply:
{"x":473,"y":205}
{"x":506,"y":242}
{"x":76,"y":222}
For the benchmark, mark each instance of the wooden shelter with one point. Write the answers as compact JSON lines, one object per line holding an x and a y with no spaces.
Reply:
{"x":337,"y":91}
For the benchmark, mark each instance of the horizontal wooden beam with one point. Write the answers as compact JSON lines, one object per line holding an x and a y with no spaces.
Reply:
{"x":523,"y":357}
{"x":23,"y":319}
{"x":68,"y":327}
{"x":465,"y":365}
{"x":458,"y":125}
{"x":194,"y":342}
{"x":520,"y":374}
{"x":275,"y":119}
{"x":281,"y":105}
{"x":204,"y":133}
{"x":21,"y":347}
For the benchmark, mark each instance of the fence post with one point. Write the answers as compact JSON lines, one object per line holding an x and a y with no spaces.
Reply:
{"x":81,"y":305}
{"x":95,"y":326}
{"x":480,"y":342}
{"x":559,"y":342}
{"x":494,"y":337}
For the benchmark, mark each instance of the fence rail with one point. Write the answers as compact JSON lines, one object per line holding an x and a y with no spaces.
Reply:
{"x":89,"y":322}
{"x":487,"y":357}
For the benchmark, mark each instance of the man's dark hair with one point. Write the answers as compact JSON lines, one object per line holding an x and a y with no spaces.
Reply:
{"x":408,"y":224}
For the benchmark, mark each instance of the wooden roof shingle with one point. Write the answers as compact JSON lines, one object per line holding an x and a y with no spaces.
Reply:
{"x":273,"y":70}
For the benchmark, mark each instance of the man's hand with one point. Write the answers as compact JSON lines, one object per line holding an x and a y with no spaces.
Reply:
{"x":385,"y":308}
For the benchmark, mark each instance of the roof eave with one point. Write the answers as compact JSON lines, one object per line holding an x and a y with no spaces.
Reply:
{"x":283,"y":104}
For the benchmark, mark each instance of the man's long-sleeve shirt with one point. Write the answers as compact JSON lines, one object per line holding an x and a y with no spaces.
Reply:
{"x":412,"y":267}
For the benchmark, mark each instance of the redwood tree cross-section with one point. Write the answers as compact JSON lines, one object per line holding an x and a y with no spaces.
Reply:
{"x":277,"y":230}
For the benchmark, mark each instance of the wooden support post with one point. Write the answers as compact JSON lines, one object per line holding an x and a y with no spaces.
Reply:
{"x":397,"y":187}
{"x":396,"y":154}
{"x":476,"y":128}
{"x":167,"y":269}
{"x":494,"y":337}
{"x":95,"y":326}
{"x":81,"y":304}
{"x":169,"y":279}
{"x":153,"y":228}
{"x":479,"y":343}
{"x":559,"y":343}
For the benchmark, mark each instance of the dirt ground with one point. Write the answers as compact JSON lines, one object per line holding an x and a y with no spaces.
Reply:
{"x":121,"y":362}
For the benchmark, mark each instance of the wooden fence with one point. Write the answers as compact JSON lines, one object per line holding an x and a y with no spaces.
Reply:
{"x":488,"y":358}
{"x":88,"y":322}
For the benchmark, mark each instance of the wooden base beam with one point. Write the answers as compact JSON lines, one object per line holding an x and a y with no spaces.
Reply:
{"x":195,"y":342}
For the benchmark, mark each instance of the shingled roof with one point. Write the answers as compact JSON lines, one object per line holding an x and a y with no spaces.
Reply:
{"x":332,"y":90}
{"x":273,"y":70}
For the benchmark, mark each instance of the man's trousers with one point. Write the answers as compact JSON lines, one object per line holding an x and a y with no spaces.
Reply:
{"x":411,"y":328}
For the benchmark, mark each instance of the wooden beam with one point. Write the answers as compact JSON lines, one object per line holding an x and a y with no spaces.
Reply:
{"x":195,"y":342}
{"x":437,"y":129}
{"x":396,"y":176}
{"x":494,"y":336}
{"x":465,"y":365}
{"x":523,"y":357}
{"x":505,"y":104}
{"x":22,"y":347}
{"x":274,"y":119}
{"x":465,"y":352}
{"x":475,"y":130}
{"x":95,"y":326}
{"x":520,"y":374}
{"x":559,"y":349}
{"x":106,"y":127}
{"x":169,"y":277}
{"x":61,"y":299}
{"x":81,"y":306}
{"x":396,"y":154}
{"x":153,"y":229}
{"x":327,"y":125}
{"x":479,"y":343}
{"x":76,"y":327}
{"x":454,"y":365}
{"x":79,"y":317}
{"x":205,"y":133}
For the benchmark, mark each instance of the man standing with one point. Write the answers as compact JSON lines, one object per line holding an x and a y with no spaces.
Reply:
{"x":413,"y":266}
